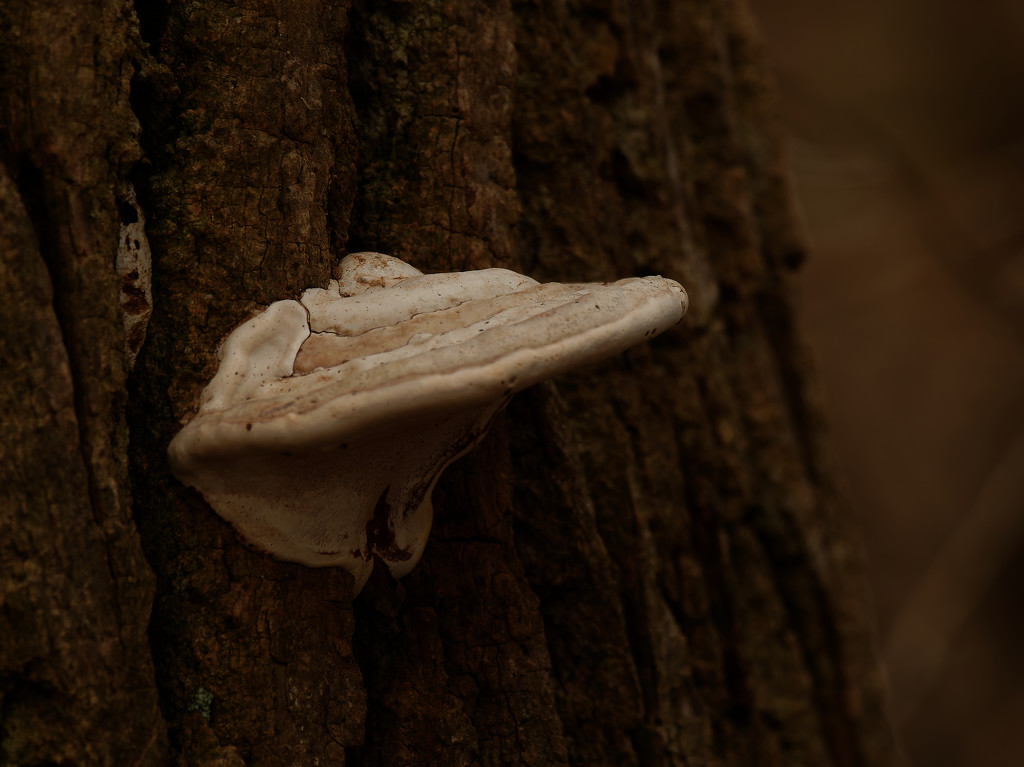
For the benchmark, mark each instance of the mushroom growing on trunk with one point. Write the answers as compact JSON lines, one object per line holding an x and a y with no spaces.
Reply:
{"x":331,"y":418}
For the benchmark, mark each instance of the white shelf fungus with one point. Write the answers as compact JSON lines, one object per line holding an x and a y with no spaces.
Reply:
{"x":330,"y":418}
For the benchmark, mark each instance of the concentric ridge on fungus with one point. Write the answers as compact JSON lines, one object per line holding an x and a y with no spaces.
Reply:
{"x":330,"y":418}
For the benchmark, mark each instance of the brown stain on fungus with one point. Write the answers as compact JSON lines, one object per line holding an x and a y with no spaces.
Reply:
{"x":380,"y":532}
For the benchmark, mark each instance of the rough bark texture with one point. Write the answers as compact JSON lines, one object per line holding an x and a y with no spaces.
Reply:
{"x":76,"y":675}
{"x":643,"y":564}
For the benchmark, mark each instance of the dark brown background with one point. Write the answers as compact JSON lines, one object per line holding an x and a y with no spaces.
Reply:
{"x":907,"y":141}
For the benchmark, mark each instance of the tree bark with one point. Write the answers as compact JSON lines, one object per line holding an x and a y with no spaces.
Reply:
{"x":645,"y":563}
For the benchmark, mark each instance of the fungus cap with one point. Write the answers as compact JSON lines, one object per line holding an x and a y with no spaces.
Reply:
{"x":330,"y":418}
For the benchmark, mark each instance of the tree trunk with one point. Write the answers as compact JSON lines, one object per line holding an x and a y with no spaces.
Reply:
{"x":645,"y":563}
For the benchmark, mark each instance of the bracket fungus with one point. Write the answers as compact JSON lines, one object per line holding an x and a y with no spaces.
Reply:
{"x":330,"y":418}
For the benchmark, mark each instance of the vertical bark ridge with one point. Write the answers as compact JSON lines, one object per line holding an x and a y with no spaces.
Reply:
{"x":437,"y":189}
{"x":247,"y":189}
{"x":76,"y":677}
{"x":756,"y":649}
{"x":434,"y":103}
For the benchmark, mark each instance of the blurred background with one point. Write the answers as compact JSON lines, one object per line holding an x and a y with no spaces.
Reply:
{"x":906,"y":136}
